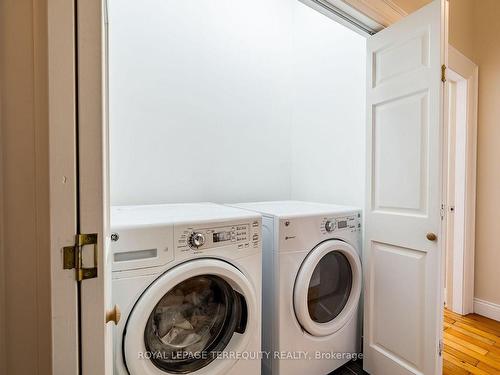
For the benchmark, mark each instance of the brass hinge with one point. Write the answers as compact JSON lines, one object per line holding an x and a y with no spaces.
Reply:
{"x":73,"y":256}
{"x":443,"y":73}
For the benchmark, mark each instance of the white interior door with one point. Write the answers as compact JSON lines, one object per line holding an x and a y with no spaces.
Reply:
{"x":402,"y":252}
{"x":93,"y":214}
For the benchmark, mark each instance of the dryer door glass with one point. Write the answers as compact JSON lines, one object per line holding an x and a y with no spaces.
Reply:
{"x":330,"y":287}
{"x":192,"y":323}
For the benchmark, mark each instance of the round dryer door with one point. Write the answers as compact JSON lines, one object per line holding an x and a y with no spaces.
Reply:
{"x":327,"y":288}
{"x":188,"y":317}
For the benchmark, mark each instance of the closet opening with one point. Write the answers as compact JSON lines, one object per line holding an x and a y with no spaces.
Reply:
{"x":225,"y":103}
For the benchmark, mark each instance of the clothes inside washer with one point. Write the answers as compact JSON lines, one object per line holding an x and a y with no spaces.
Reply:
{"x":188,"y":317}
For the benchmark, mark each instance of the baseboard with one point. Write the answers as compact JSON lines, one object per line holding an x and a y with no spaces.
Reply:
{"x":488,"y":309}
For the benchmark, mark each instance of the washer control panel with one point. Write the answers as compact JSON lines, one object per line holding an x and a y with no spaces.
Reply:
{"x":194,"y":239}
{"x":351,"y":223}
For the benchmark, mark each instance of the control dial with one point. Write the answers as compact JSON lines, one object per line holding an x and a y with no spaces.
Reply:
{"x":330,"y":226}
{"x":196,"y":240}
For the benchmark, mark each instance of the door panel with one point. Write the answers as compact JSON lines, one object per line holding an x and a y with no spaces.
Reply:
{"x":404,"y":167}
{"x":95,"y":294}
{"x":400,"y":150}
{"x":400,"y":59}
{"x":390,"y":265}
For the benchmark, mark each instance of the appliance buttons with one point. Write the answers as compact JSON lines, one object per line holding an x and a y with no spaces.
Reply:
{"x":196,"y":240}
{"x":329,"y":226}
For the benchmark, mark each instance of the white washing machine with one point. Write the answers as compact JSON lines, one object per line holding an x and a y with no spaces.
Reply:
{"x":187,"y":279}
{"x":312,"y":281}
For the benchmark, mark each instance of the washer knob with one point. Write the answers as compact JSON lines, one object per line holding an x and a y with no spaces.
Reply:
{"x":329,"y":226}
{"x":196,"y":240}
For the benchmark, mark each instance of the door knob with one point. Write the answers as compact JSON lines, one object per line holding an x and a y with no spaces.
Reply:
{"x":431,"y":236}
{"x":113,"y":315}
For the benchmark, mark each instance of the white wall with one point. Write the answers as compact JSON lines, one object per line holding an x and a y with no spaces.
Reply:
{"x":328,"y":133}
{"x":199,"y":100}
{"x":232,"y":101}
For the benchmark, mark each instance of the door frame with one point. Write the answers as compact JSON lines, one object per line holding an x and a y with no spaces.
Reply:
{"x":3,"y":366}
{"x":96,"y":349}
{"x":464,"y":71}
{"x":62,"y":182}
{"x":76,"y":81}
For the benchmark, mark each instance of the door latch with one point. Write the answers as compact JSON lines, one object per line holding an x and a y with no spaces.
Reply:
{"x":73,"y":257}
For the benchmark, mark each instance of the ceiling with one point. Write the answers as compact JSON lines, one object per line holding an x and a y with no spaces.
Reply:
{"x":411,"y":5}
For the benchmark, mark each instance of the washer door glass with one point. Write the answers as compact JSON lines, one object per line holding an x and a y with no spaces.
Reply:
{"x":193,"y":322}
{"x":330,"y":287}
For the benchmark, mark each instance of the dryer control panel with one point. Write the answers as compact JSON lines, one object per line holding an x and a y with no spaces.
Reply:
{"x":303,"y":233}
{"x":236,"y":236}
{"x":351,"y":223}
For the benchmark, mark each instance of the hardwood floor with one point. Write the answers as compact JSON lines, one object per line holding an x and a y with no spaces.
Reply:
{"x":471,"y":345}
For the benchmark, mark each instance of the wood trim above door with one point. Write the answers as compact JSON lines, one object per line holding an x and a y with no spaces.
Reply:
{"x":384,"y":12}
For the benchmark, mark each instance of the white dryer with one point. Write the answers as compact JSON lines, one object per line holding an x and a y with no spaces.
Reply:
{"x":312,"y":281}
{"x":187,"y":279}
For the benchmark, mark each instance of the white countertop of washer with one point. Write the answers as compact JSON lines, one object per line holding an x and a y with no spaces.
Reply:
{"x":182,"y":213}
{"x":295,"y":208}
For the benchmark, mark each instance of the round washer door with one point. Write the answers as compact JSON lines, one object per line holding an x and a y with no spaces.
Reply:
{"x":327,"y":288}
{"x":187,"y":317}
